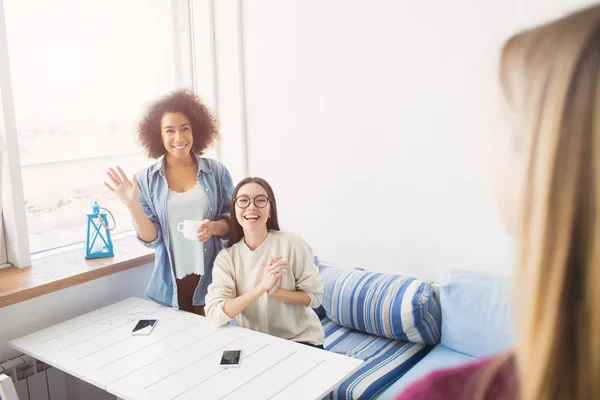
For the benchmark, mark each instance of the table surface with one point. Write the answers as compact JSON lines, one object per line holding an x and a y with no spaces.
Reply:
{"x":180,"y":358}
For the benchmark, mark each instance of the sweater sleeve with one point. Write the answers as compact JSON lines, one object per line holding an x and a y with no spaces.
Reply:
{"x":307,"y":274}
{"x":221,"y":290}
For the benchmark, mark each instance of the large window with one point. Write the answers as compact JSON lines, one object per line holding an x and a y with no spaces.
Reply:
{"x":82,"y":72}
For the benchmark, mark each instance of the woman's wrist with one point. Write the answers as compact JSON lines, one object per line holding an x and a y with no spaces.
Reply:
{"x":260,"y":288}
{"x":220,"y":227}
{"x":134,"y":206}
{"x":237,"y":305}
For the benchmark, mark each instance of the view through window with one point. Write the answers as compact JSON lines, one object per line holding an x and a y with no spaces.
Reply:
{"x":82,"y":73}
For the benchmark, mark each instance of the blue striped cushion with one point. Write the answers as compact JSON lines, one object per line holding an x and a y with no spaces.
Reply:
{"x":386,"y":360}
{"x":386,"y":305}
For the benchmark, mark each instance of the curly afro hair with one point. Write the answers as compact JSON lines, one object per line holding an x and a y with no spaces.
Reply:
{"x":204,"y":125}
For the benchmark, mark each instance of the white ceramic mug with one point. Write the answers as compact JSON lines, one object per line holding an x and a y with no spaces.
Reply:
{"x":189,"y":228}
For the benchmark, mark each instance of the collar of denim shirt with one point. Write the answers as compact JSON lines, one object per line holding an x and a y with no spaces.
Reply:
{"x":203,"y":166}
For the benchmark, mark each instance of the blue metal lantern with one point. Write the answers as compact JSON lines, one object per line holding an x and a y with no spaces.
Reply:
{"x":97,"y":241}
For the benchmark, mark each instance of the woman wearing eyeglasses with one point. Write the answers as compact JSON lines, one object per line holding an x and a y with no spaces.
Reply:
{"x":266,"y":278}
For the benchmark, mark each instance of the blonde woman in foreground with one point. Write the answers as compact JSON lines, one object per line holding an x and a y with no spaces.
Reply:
{"x":550,"y":77}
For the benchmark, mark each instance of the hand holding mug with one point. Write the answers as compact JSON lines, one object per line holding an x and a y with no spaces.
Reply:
{"x":205,"y":230}
{"x":189,"y":228}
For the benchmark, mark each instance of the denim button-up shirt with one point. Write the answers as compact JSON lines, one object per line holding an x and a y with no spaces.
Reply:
{"x":216,"y":182}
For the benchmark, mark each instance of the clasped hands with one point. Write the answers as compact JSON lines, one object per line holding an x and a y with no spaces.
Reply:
{"x":275,"y":269}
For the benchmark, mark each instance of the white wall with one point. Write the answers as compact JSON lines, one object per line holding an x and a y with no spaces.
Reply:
{"x":32,"y":315}
{"x":371,"y":119}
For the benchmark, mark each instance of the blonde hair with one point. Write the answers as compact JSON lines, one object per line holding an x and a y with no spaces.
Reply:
{"x":550,"y":76}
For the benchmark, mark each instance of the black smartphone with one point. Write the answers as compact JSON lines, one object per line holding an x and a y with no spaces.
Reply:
{"x":230,"y":358}
{"x":144,"y":327}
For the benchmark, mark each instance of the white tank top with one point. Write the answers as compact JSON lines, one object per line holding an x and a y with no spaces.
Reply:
{"x":188,"y":255}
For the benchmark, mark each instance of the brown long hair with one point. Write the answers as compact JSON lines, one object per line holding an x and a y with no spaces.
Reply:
{"x":550,"y":76}
{"x":236,"y":233}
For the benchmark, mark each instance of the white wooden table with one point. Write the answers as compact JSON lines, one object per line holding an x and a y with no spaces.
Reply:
{"x":180,"y":359}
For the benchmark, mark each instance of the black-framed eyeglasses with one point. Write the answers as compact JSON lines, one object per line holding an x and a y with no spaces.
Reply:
{"x":260,"y":201}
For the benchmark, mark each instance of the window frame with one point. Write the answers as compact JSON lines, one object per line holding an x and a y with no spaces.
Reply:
{"x":14,"y":236}
{"x":15,"y":243}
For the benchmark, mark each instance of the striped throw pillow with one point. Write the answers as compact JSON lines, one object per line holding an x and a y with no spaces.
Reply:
{"x":386,"y":305}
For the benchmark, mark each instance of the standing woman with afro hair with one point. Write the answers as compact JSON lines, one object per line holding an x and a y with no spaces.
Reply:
{"x":181,"y":185}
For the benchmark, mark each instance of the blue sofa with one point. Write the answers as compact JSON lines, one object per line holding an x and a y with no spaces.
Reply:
{"x":474,"y":323}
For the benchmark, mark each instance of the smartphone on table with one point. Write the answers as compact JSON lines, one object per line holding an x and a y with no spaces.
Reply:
{"x":144,"y":327}
{"x":230,"y":358}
